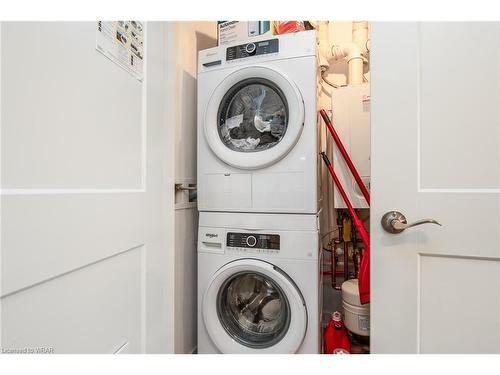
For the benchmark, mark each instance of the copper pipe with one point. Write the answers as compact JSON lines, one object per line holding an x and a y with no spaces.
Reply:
{"x":346,"y":261}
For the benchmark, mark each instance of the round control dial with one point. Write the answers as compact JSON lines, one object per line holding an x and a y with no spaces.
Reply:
{"x":251,"y":241}
{"x":250,"y":48}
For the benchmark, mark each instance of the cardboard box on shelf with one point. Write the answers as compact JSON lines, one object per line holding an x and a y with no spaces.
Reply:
{"x":243,"y":31}
{"x":236,"y":31}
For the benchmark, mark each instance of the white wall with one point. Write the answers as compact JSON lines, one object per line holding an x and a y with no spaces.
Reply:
{"x":189,"y":38}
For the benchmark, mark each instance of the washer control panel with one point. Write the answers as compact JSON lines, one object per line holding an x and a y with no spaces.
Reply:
{"x":263,"y":47}
{"x":257,"y":241}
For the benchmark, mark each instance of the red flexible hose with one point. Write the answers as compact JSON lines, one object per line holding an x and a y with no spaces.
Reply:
{"x":364,"y":271}
{"x":365,"y":237}
{"x":346,"y":156}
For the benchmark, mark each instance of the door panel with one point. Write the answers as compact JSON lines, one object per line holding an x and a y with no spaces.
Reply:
{"x":436,"y":154}
{"x":94,"y":309}
{"x":85,"y":194}
{"x":448,"y":322}
{"x":459,"y":112}
{"x":62,"y":97}
{"x":44,"y":236}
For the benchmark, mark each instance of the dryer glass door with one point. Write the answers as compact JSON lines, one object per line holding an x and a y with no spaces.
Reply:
{"x":253,"y":116}
{"x":253,"y":310}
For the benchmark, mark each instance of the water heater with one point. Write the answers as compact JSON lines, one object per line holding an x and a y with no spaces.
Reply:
{"x":351,"y":120}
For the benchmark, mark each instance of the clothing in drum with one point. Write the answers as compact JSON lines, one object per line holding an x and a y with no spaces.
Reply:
{"x":253,"y":115}
{"x":253,"y":310}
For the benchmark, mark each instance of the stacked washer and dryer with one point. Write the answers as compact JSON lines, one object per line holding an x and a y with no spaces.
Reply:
{"x":259,"y":277}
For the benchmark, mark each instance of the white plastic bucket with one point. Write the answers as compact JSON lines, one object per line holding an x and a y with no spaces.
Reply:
{"x":356,"y":315}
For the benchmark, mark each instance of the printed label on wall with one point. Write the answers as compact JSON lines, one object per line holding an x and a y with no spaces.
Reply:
{"x":122,"y":42}
{"x":366,"y":103}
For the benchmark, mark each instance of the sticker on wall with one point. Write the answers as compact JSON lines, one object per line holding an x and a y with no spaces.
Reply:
{"x":123,"y":43}
{"x":366,"y":103}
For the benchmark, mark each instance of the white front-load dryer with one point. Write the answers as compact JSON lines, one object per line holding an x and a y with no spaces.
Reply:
{"x":259,"y":284}
{"x":257,"y":126}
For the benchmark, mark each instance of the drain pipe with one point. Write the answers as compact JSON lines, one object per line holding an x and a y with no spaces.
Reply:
{"x":323,"y":44}
{"x":352,"y":51}
{"x":360,"y":36}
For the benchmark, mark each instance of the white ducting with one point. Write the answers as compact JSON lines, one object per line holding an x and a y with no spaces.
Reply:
{"x":323,"y":44}
{"x":353,"y":52}
{"x":360,"y":35}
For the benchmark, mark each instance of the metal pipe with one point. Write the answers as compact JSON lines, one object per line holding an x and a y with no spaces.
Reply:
{"x":346,"y":261}
{"x":335,"y":272}
{"x":333,"y":266}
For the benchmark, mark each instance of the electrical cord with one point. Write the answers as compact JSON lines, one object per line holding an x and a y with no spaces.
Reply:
{"x":330,"y":232}
{"x":327,"y":81}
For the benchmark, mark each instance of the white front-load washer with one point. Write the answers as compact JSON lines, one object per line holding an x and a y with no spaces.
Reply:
{"x":259,"y":283}
{"x":257,"y":126}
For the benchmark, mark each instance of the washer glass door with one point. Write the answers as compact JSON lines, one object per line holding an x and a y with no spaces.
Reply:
{"x":252,"y":306}
{"x":253,"y":309}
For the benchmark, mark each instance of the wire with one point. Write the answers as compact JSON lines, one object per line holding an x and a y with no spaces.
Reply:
{"x":330,"y":232}
{"x":327,"y":81}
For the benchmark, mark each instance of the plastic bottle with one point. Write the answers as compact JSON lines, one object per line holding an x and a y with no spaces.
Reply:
{"x":285,"y":27}
{"x":336,"y":337}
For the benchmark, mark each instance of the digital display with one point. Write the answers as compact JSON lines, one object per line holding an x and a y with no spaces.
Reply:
{"x":261,"y":48}
{"x":253,"y":240}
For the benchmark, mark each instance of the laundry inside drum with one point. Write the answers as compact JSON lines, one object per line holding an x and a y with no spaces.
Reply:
{"x":253,"y":310}
{"x":253,"y":116}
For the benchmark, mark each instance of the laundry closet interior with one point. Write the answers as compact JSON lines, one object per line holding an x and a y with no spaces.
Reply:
{"x":283,"y":179}
{"x":168,"y":187}
{"x":249,"y":187}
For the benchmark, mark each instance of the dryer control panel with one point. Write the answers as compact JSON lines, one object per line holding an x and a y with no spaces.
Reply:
{"x":253,"y":241}
{"x":262,"y":47}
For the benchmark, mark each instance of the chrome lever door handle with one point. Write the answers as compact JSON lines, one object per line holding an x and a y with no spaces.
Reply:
{"x":180,"y":187}
{"x":395,"y":222}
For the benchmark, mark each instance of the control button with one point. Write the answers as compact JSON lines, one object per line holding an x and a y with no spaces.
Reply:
{"x":251,"y":241}
{"x":250,"y":49}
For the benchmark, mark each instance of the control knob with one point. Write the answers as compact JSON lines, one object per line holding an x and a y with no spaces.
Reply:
{"x":251,"y":241}
{"x":251,"y":48}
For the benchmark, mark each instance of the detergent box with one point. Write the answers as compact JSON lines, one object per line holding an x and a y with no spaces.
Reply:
{"x":241,"y":31}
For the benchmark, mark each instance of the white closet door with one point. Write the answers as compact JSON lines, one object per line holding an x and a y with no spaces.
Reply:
{"x":436,"y":154}
{"x":87,"y":194}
